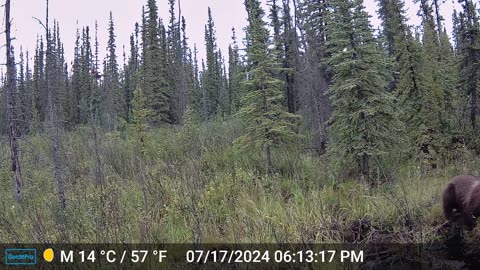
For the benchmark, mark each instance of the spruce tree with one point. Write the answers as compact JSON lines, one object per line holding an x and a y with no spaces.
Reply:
{"x":291,"y":57}
{"x":412,"y":87}
{"x":468,"y":39}
{"x":394,"y":27}
{"x":75,"y":91}
{"x":364,"y":123}
{"x":186,"y":72}
{"x":195,"y":95}
{"x":53,"y":80}
{"x":155,"y":86}
{"x":30,"y":95}
{"x":85,"y":76}
{"x":438,"y":67}
{"x":234,"y":75}
{"x":223,"y":109}
{"x":314,"y":80}
{"x":39,"y":98}
{"x":175,"y":74}
{"x":132,"y":73}
{"x":212,"y":75}
{"x":61,"y":70}
{"x":22,"y":96}
{"x":448,"y":67}
{"x":129,"y":80}
{"x":268,"y":123}
{"x":275,"y":23}
{"x":140,"y":119}
{"x":190,"y":85}
{"x":113,"y":102}
{"x":95,"y":107}
{"x":390,"y":12}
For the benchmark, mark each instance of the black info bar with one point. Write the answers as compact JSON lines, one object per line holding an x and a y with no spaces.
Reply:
{"x":236,"y":256}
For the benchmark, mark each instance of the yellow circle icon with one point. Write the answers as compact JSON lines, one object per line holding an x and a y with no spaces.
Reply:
{"x":48,"y":255}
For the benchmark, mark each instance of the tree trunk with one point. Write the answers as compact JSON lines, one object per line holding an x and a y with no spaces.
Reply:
{"x":94,"y":117}
{"x":291,"y":99}
{"x":54,"y":131}
{"x":98,"y":163}
{"x":438,"y":16}
{"x":269,"y":160}
{"x":56,"y":157}
{"x":473,"y":82}
{"x":204,"y":104}
{"x":473,"y":112}
{"x":319,"y":126}
{"x":10,"y":96}
{"x":364,"y":166}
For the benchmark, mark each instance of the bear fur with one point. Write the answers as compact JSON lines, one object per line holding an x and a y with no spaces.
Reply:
{"x":461,"y":200}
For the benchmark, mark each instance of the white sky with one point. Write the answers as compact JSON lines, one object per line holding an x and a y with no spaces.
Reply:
{"x":226,"y":13}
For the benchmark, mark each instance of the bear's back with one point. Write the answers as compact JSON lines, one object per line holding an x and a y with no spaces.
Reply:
{"x":464,"y":187}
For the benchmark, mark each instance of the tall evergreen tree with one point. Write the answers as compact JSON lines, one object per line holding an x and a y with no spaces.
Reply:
{"x":212,"y":75}
{"x":23,"y":96}
{"x":268,"y":123}
{"x":30,"y":95}
{"x":176,"y":59}
{"x":275,"y":23}
{"x":112,"y":99}
{"x":468,"y":35}
{"x":84,"y":84}
{"x":131,"y":73}
{"x":195,"y":96}
{"x":95,"y":99}
{"x":190,"y":85}
{"x":364,"y":123}
{"x":440,"y":87}
{"x":314,"y":80}
{"x":60,"y":70}
{"x":411,"y":86}
{"x":39,"y":99}
{"x":52,"y":85}
{"x":394,"y":27}
{"x":291,"y":56}
{"x":140,"y":119}
{"x":235,"y":72}
{"x":76,"y":84}
{"x":223,"y":97}
{"x":154,"y":84}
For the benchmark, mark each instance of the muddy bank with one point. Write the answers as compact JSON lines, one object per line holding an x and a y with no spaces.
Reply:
{"x":455,"y":250}
{"x":421,"y":256}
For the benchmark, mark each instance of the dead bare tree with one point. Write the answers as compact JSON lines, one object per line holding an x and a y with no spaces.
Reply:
{"x":10,"y":95}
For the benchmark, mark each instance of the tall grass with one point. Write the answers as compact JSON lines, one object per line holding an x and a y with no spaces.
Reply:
{"x":194,"y":185}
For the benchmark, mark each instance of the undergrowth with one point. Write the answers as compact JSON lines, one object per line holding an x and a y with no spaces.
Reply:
{"x":194,"y":185}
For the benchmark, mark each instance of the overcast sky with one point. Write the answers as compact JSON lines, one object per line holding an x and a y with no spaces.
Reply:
{"x":78,"y":13}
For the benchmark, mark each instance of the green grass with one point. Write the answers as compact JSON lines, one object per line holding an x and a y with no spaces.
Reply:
{"x":195,"y":185}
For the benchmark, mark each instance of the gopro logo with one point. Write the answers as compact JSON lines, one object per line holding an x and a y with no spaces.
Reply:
{"x":20,"y":256}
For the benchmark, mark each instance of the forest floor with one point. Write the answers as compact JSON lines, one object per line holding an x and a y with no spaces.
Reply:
{"x":194,"y":185}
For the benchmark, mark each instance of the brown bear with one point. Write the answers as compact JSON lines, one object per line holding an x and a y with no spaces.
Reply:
{"x":461,"y":200}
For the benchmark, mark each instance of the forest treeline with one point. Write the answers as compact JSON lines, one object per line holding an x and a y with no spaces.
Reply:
{"x":309,"y":72}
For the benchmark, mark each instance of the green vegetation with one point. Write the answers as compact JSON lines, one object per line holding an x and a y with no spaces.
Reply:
{"x":194,"y":185}
{"x":364,"y":124}
{"x":320,"y":130}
